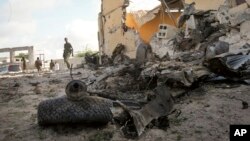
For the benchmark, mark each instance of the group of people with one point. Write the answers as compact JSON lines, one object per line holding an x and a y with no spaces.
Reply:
{"x":52,"y":65}
{"x":68,"y":51}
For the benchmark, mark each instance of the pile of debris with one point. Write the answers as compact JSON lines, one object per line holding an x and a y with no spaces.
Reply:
{"x":137,"y":94}
{"x":217,"y":40}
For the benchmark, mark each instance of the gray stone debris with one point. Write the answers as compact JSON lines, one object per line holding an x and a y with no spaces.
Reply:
{"x":217,"y":49}
{"x":240,"y":17}
{"x":162,"y":48}
{"x":222,"y":14}
{"x":245,"y":28}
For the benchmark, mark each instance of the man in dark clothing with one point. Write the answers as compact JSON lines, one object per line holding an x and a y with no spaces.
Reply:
{"x":52,"y":65}
{"x":24,"y":63}
{"x":68,"y":50}
{"x":38,"y":64}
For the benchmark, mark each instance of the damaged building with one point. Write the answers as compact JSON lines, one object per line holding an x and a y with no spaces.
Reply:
{"x":116,"y":26}
{"x":156,"y":28}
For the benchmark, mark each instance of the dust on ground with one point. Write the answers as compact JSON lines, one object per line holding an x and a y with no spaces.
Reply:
{"x":202,"y":114}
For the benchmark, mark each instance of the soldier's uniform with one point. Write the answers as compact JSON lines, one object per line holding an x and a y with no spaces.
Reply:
{"x":52,"y":65}
{"x":68,"y":50}
{"x":38,"y":65}
{"x":24,"y":63}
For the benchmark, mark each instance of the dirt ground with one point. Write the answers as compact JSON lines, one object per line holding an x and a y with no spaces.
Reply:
{"x":203,"y":114}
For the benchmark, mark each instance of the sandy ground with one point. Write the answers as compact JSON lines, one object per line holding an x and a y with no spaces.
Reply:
{"x":203,"y":114}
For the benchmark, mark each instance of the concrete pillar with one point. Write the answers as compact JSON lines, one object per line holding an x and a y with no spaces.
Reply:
{"x":31,"y":55}
{"x":12,"y":56}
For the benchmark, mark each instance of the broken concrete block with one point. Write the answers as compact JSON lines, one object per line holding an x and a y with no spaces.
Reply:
{"x":219,"y":48}
{"x":191,"y":22}
{"x":237,"y":46}
{"x":245,"y":28}
{"x":238,"y":9}
{"x":240,"y":17}
{"x":231,"y":39}
{"x":162,"y":47}
{"x":223,"y":15}
{"x":171,"y":32}
{"x":189,"y":9}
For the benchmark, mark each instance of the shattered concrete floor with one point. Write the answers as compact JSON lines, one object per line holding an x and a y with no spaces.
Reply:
{"x":203,"y":114}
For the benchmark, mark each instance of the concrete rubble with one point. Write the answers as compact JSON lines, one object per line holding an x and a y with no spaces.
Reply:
{"x":206,"y":45}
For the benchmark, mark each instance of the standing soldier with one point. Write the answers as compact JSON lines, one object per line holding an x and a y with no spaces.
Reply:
{"x":68,"y":50}
{"x":52,"y":65}
{"x":38,"y":64}
{"x":24,"y":63}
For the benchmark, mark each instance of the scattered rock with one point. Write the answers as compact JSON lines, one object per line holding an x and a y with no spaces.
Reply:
{"x":217,"y":49}
{"x":240,"y":17}
{"x":162,"y":48}
{"x":238,"y":9}
{"x":245,"y":28}
{"x":223,"y":15}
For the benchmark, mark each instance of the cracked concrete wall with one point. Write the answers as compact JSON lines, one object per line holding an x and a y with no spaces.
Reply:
{"x":112,"y":15}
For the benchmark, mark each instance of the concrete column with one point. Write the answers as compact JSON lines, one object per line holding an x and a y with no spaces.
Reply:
{"x":31,"y":55}
{"x":12,"y":56}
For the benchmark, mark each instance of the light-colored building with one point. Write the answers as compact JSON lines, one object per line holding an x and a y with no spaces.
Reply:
{"x":13,"y":59}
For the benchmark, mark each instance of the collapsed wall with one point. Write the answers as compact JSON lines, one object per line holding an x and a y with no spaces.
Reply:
{"x":158,"y":27}
{"x":112,"y":28}
{"x":116,"y":26}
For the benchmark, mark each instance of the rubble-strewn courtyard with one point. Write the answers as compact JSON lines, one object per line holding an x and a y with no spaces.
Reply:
{"x":159,"y":75}
{"x":204,"y":113}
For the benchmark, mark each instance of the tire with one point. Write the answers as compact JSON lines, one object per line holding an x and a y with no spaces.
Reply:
{"x":61,"y":110}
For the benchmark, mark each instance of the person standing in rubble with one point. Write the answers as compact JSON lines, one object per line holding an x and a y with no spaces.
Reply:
{"x":68,"y":50}
{"x":38,"y":64}
{"x":52,"y":65}
{"x":24,"y":63}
